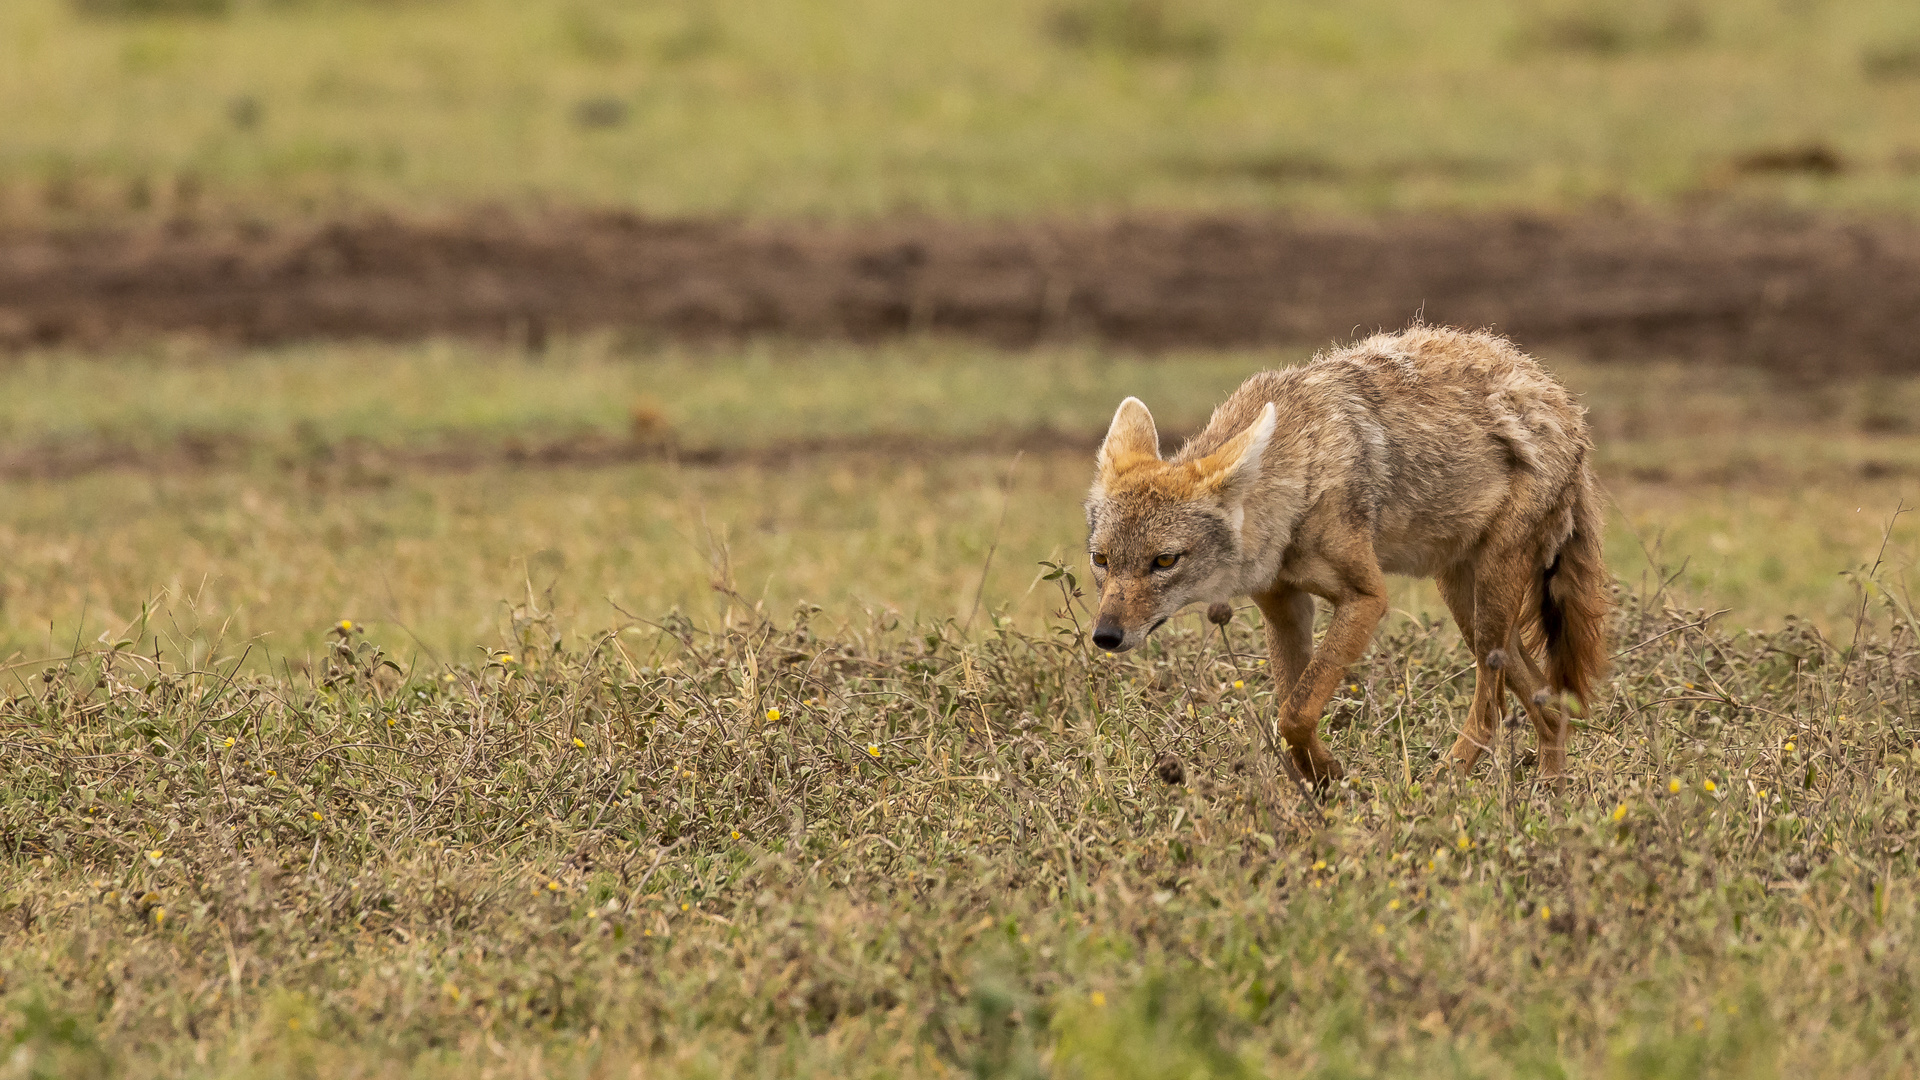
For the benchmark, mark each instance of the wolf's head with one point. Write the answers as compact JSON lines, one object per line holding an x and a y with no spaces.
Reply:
{"x":1165,"y":534}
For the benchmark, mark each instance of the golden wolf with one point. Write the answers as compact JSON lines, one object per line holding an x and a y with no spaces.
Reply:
{"x":1431,"y":452}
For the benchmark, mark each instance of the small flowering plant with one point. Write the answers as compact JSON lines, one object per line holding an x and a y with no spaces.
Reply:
{"x":353,"y":660}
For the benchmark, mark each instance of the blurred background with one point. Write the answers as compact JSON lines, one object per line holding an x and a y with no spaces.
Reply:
{"x":438,"y":315}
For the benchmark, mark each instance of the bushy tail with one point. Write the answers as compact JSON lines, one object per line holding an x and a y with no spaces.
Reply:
{"x":1573,"y":601}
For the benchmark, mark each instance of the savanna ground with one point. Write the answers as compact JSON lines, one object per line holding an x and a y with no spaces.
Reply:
{"x":788,"y":758}
{"x":590,"y":697}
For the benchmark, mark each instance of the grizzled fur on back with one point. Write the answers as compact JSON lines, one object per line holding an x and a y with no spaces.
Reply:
{"x":1431,"y":452}
{"x":1418,"y":432}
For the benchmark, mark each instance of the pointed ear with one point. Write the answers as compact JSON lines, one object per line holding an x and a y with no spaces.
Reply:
{"x":1231,"y":470}
{"x":1131,"y":439}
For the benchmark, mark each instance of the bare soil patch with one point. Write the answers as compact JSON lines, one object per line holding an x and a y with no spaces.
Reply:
{"x":1807,"y":295}
{"x":355,"y":462}
{"x":359,"y":463}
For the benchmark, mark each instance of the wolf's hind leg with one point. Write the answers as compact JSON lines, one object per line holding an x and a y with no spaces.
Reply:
{"x":1485,"y":597}
{"x":1526,"y":680}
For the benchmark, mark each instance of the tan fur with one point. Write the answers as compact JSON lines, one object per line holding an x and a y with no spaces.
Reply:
{"x":1431,"y":452}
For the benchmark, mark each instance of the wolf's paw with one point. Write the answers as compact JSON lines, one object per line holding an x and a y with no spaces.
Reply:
{"x":1320,"y":771}
{"x":1460,"y":760}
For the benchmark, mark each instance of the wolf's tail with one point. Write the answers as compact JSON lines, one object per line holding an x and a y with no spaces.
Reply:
{"x":1573,"y":600}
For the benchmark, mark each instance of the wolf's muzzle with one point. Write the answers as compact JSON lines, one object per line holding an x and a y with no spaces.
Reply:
{"x":1107,"y":633}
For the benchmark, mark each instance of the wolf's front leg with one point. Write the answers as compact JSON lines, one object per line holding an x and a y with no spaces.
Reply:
{"x":1289,"y":615}
{"x":1356,"y":612}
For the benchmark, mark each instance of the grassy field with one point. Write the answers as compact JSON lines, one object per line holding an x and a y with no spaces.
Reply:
{"x":630,"y":709}
{"x":423,"y":491}
{"x":706,"y":713}
{"x":776,"y":849}
{"x":863,"y":107}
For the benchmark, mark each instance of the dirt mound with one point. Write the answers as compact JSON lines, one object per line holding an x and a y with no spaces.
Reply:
{"x":1809,"y":295}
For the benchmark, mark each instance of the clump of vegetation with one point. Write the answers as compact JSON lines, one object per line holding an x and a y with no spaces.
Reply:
{"x":600,"y":112}
{"x":1614,"y":29}
{"x":142,"y":8}
{"x":216,"y":8}
{"x":1814,"y":158}
{"x":1891,"y":61}
{"x":899,"y":849}
{"x":1145,"y":28}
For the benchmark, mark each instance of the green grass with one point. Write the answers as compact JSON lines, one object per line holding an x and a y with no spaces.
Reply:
{"x":783,"y":850}
{"x":284,"y":490}
{"x":1005,"y":107}
{"x":704,"y":398}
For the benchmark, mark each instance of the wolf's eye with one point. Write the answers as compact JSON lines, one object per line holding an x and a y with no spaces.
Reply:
{"x":1164,"y":561}
{"x":1099,"y":559}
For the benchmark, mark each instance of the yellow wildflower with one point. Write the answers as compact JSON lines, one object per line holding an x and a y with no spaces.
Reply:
{"x":1239,"y":684}
{"x":1099,"y":999}
{"x":1620,"y":812}
{"x":1673,"y":786}
{"x":346,"y":626}
{"x":1709,"y":786}
{"x":1463,"y":843}
{"x":872,"y":750}
{"x":317,"y":817}
{"x":578,"y":744}
{"x":736,"y":834}
{"x":773,"y":716}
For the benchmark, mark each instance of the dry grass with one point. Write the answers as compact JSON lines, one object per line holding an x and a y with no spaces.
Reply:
{"x":508,"y":829}
{"x":771,"y":850}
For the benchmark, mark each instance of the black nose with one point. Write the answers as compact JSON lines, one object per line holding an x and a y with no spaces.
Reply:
{"x":1107,"y":635}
